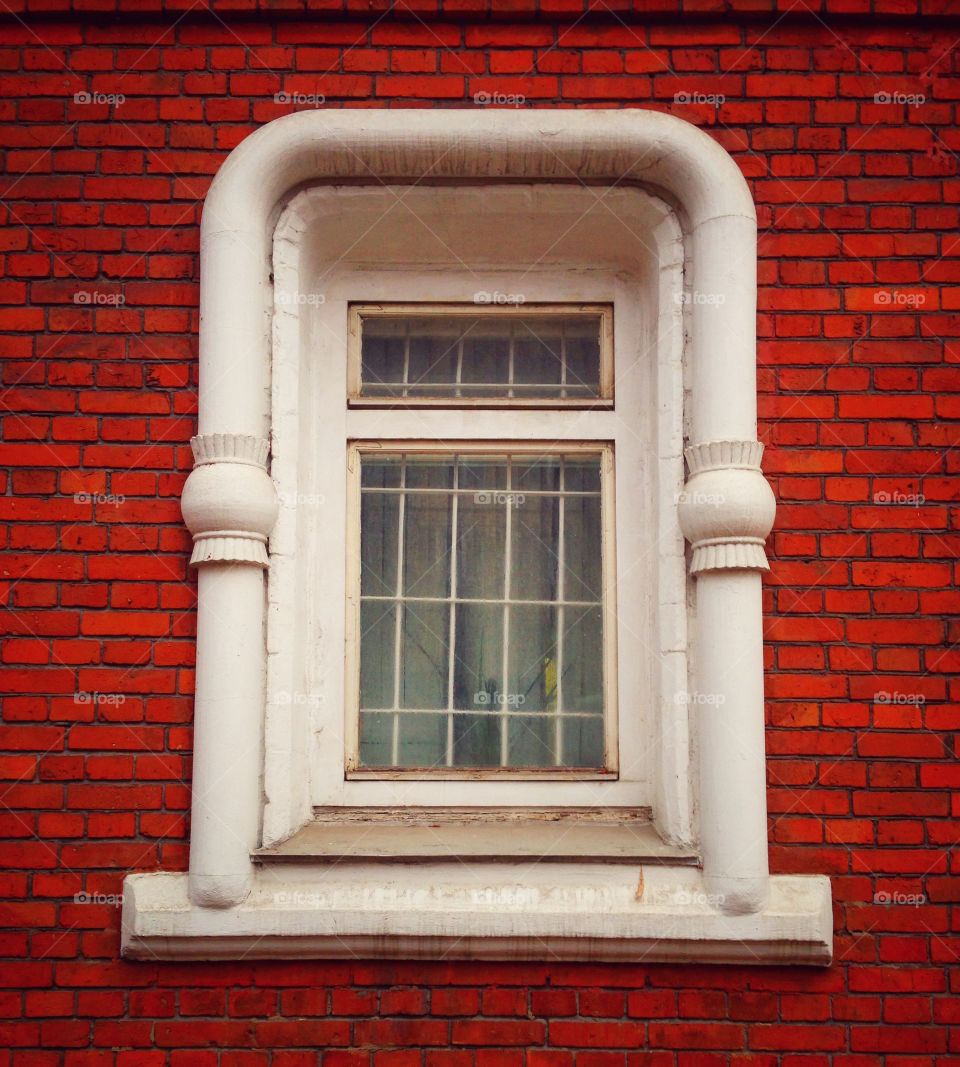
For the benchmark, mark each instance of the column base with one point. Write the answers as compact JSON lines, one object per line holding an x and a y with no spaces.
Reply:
{"x":219,"y":891}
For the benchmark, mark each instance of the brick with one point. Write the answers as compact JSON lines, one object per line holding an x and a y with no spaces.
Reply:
{"x":385,"y":1033}
{"x":498,"y":1032}
{"x":700,"y":1036}
{"x":611,"y":1035}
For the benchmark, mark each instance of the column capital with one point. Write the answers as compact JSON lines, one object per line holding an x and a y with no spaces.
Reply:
{"x":726,"y":508}
{"x":229,"y":502}
{"x":229,"y":448}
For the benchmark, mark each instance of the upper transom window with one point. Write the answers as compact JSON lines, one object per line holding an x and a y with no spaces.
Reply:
{"x":468,"y":355}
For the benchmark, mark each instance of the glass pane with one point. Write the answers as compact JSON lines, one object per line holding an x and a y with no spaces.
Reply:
{"x":379,"y":526}
{"x":583,"y":362}
{"x":519,"y":354}
{"x":426,"y":545}
{"x":581,"y":474}
{"x":478,"y":664}
{"x":433,"y":355}
{"x":381,"y":472}
{"x":538,"y":354}
{"x":376,"y":738}
{"x":486,"y":360}
{"x":428,"y":472}
{"x":378,"y":629}
{"x":481,"y":545}
{"x":483,"y":672}
{"x":476,"y":740}
{"x":583,"y":660}
{"x":482,"y":472}
{"x":381,"y":357}
{"x":424,"y":655}
{"x":536,"y":474}
{"x":422,"y":741}
{"x":533,"y":658}
{"x":582,"y":741}
{"x":582,"y":555}
{"x":531,"y":740}
{"x":535,"y":548}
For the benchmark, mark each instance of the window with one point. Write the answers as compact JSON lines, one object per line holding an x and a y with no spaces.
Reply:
{"x":484,"y":615}
{"x":556,"y":216}
{"x":511,"y":356}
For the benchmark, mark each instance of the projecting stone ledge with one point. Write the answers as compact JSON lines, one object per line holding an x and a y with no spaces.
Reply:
{"x":467,"y":910}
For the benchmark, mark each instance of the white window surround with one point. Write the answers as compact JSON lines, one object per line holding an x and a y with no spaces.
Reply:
{"x":249,"y":773}
{"x":352,"y":243}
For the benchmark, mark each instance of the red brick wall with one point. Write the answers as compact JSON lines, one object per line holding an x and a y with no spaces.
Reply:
{"x":859,"y":204}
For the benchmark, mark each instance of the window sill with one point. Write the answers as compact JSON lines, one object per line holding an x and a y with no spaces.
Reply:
{"x":505,"y":835}
{"x":477,"y":910}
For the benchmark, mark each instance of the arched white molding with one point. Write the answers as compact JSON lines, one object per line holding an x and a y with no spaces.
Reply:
{"x":620,"y":146}
{"x":713,"y":202}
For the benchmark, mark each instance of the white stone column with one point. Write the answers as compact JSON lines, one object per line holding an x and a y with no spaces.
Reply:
{"x":230,"y":505}
{"x":726,"y":512}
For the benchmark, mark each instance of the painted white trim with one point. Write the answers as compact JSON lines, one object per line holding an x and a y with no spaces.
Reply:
{"x":615,"y":146}
{"x":714,"y":206}
{"x":582,"y":912}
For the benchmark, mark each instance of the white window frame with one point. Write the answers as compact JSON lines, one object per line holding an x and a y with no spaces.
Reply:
{"x":234,"y":902}
{"x":313,"y":294}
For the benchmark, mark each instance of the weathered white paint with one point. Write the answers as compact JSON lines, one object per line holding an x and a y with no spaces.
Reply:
{"x":599,"y":835}
{"x":616,"y":146}
{"x":563,"y":911}
{"x":726,"y":511}
{"x":786,"y":918}
{"x":226,"y":799}
{"x":230,"y":505}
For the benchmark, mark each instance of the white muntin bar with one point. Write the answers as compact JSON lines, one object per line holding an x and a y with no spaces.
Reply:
{"x":616,"y":146}
{"x":399,"y":616}
{"x":507,"y":582}
{"x":558,"y":740}
{"x":452,"y":606}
